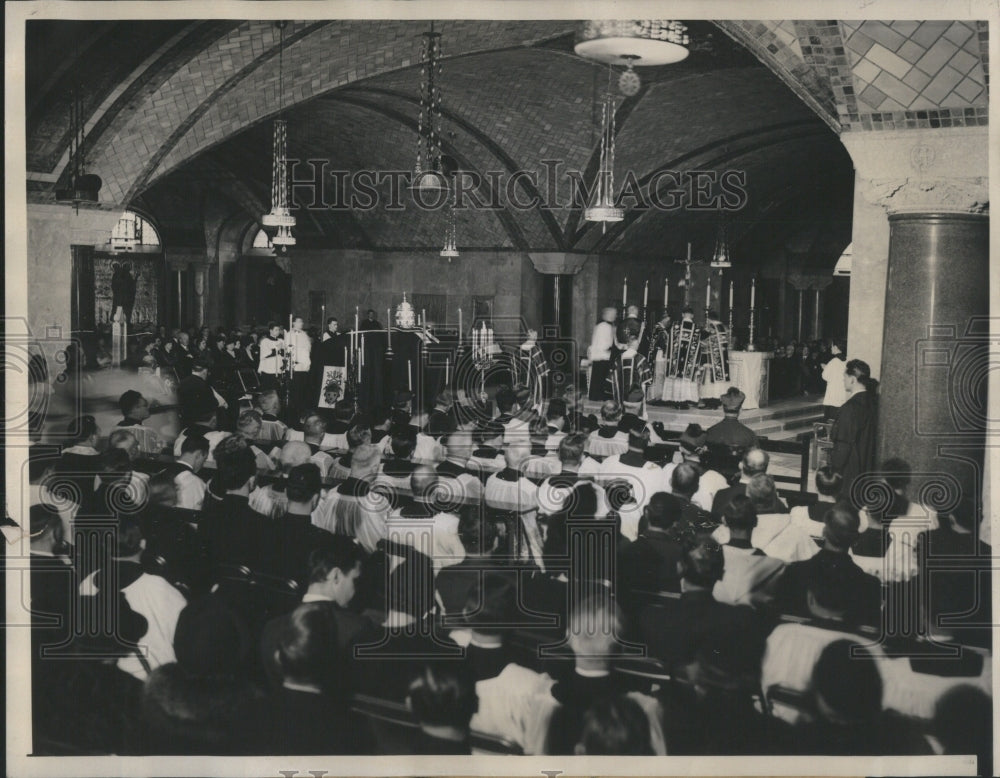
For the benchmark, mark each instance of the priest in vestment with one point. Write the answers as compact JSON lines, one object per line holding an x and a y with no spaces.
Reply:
{"x":658,"y":354}
{"x":683,"y":367}
{"x":631,"y":373}
{"x":715,"y":357}
{"x":531,"y":368}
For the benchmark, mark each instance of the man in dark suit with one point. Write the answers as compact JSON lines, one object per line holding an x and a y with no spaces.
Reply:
{"x":698,"y":626}
{"x":333,"y":570}
{"x":684,"y":482}
{"x":650,"y":563}
{"x":443,"y":419}
{"x":386,"y":659}
{"x":229,"y":528}
{"x":311,"y":713}
{"x":195,"y":397}
{"x":840,"y":531}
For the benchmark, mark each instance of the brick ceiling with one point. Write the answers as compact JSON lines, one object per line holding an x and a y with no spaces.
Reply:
{"x":177,"y":113}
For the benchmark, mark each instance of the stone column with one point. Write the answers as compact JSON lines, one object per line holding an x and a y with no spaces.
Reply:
{"x":199,"y":294}
{"x":933,"y":355}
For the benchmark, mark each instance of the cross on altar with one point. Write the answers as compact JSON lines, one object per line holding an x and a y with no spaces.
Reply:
{"x":687,"y":274}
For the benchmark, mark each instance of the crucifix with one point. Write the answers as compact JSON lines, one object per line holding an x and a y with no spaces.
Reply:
{"x":687,"y":274}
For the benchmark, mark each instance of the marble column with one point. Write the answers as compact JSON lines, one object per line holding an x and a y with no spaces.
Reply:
{"x":933,"y":359}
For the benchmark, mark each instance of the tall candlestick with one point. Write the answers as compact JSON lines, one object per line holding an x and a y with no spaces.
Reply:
{"x":730,"y":295}
{"x":388,"y":328}
{"x":345,"y":356}
{"x":753,"y":291}
{"x":666,"y":291}
{"x":625,"y":291}
{"x":708,"y":293}
{"x":447,"y":367}
{"x":459,"y":326}
{"x":409,"y":375}
{"x":423,"y":316}
{"x":322,"y":316}
{"x":645,"y":297}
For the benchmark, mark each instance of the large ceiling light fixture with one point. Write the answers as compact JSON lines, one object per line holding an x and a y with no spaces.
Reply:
{"x":632,"y":43}
{"x":280,"y":216}
{"x":427,"y":174}
{"x":627,"y":43}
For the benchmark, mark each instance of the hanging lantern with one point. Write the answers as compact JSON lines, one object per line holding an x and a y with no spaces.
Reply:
{"x":83,"y":187}
{"x":450,"y":250}
{"x":280,"y":216}
{"x":720,"y":259}
{"x":427,"y":173}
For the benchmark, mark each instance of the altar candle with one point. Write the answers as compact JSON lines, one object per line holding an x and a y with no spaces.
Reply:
{"x":361,"y":353}
{"x":388,"y":327}
{"x":423,"y":316}
{"x":322,"y":316}
{"x":753,"y":291}
{"x":447,"y":365}
{"x":409,"y":375}
{"x":666,"y":291}
{"x":345,"y":356}
{"x":356,"y":320}
{"x":624,"y":291}
{"x":645,"y":296}
{"x":730,"y":295}
{"x":459,"y":326}
{"x":708,"y":293}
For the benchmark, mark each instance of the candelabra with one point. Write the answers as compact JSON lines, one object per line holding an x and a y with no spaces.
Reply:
{"x":482,"y":352}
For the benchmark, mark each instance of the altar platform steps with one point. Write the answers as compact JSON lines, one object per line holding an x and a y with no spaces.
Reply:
{"x":784,"y":419}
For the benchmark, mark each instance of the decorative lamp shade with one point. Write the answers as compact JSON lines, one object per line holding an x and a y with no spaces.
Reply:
{"x":642,"y":43}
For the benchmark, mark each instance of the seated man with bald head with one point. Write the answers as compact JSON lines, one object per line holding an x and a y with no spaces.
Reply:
{"x":445,"y":545}
{"x":841,"y":527}
{"x":754,"y":462}
{"x":685,"y":479}
{"x":356,"y":436}
{"x":354,"y":508}
{"x":271,"y":499}
{"x":458,"y":450}
{"x":775,"y":534}
{"x":608,"y":439}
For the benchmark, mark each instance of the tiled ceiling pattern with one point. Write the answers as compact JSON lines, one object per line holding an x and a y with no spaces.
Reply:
{"x":915,"y":65}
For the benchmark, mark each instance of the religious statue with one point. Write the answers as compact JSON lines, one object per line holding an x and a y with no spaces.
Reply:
{"x":123,"y":286}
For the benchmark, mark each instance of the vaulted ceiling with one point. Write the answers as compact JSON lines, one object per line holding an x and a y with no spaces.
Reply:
{"x":178,"y":119}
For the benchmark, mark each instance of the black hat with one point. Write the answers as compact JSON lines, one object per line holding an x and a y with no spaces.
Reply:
{"x":733,"y":399}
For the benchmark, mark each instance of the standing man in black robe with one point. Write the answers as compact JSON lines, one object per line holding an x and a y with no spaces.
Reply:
{"x":853,"y":432}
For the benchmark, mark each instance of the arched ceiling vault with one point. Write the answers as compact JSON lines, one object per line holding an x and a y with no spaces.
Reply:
{"x":175,"y":108}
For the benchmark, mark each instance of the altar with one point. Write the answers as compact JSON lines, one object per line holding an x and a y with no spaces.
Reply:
{"x":748,"y":372}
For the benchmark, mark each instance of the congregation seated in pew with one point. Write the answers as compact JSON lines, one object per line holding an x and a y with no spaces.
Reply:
{"x":402,"y":578}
